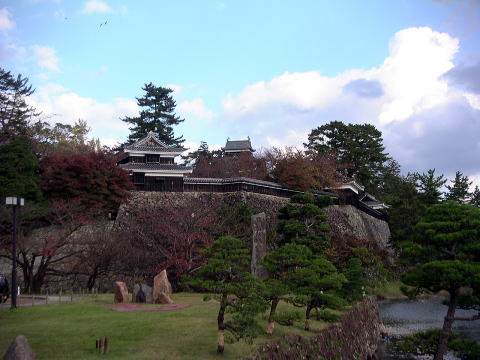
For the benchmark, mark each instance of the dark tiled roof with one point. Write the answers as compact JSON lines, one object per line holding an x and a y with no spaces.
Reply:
{"x":192,"y":180}
{"x":232,"y":180}
{"x":238,"y":145}
{"x":154,"y":148}
{"x":153,"y":166}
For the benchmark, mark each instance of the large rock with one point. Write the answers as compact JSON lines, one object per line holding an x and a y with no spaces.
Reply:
{"x":162,"y":289}
{"x":259,"y":245}
{"x":121,"y":292}
{"x":19,"y":350}
{"x":142,"y":293}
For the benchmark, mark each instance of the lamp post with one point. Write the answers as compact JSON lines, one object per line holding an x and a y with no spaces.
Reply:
{"x":15,"y":202}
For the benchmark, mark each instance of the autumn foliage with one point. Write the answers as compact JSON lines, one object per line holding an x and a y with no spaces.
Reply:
{"x":94,"y":178}
{"x":166,"y":235}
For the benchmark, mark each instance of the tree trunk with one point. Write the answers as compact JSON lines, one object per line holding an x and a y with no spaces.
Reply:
{"x":271,"y":317}
{"x":447,"y":326}
{"x":307,"y":317}
{"x":92,"y":278}
{"x":221,"y":324}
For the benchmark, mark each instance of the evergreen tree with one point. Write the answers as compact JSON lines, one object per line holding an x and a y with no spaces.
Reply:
{"x":202,"y":153}
{"x":406,"y":203}
{"x":157,"y":114}
{"x":281,"y":265}
{"x":458,"y":191}
{"x":358,"y":146}
{"x":314,"y":281}
{"x":429,"y":186}
{"x":444,"y":255}
{"x":227,"y":275}
{"x":475,"y":197}
{"x":15,"y":113}
{"x":19,"y":170}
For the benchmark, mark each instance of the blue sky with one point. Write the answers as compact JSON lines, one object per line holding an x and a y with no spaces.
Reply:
{"x":271,"y":70}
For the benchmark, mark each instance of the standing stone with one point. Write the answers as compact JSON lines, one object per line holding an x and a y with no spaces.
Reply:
{"x":19,"y":350}
{"x":136,"y":289}
{"x":148,"y":292}
{"x":142,"y":293}
{"x":162,"y":289}
{"x":259,"y":245}
{"x":121,"y":292}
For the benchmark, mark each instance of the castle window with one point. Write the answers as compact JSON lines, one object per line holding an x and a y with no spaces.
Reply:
{"x":152,"y":158}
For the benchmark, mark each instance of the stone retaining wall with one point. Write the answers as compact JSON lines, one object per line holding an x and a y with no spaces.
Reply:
{"x":344,"y":220}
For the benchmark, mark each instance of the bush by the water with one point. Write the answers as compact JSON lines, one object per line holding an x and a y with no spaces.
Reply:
{"x":425,"y":343}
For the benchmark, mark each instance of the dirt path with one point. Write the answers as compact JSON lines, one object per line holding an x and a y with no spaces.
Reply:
{"x":139,"y":307}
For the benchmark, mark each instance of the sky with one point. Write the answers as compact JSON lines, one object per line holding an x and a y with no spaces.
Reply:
{"x":270,"y":70}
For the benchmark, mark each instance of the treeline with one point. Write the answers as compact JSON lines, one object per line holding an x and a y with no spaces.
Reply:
{"x":67,"y":181}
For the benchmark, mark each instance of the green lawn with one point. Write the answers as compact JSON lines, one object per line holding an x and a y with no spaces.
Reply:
{"x":389,"y":290}
{"x":68,"y":331}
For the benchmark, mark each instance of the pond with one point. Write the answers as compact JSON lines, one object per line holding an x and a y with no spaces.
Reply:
{"x":402,"y":317}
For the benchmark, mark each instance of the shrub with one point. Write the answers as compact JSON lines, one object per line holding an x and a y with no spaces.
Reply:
{"x":288,"y":318}
{"x":328,"y":316}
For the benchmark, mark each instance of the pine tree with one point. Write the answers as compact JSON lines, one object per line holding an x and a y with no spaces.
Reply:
{"x":458,"y":191}
{"x":444,"y":254}
{"x":358,"y":147}
{"x":19,"y":170}
{"x":227,"y":275}
{"x":429,"y":186}
{"x":15,"y":113}
{"x":157,"y":114}
{"x":475,"y":197}
{"x":194,"y":157}
{"x":314,"y":281}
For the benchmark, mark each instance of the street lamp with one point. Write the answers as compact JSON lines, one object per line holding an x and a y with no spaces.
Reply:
{"x":14,"y":202}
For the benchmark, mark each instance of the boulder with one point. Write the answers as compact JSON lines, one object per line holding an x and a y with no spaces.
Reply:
{"x":142,"y":293}
{"x":121,"y":292}
{"x":162,"y":289}
{"x":19,"y":350}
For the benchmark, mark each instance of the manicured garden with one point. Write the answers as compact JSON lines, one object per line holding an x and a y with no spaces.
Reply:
{"x":69,"y":330}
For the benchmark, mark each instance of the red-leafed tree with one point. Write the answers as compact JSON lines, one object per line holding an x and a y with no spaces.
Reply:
{"x":303,"y":171}
{"x":93,"y":178}
{"x":242,"y":165}
{"x":167,"y":235}
{"x":50,"y":249}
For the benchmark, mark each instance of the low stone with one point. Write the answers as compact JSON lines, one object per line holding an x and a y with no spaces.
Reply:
{"x":121,"y":292}
{"x":162,"y":289}
{"x":164,"y":299}
{"x":19,"y":350}
{"x":142,"y":293}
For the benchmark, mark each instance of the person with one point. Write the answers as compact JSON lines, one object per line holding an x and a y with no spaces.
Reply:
{"x":4,"y":289}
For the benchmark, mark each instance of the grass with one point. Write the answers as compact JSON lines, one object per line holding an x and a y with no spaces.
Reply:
{"x":389,"y":290}
{"x":69,"y":331}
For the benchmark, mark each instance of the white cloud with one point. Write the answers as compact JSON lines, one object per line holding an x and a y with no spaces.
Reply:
{"x":195,"y":108}
{"x":177,"y":89}
{"x":426,"y":122}
{"x":59,"y":104}
{"x":6,"y":23}
{"x":46,"y":57}
{"x":96,"y":6}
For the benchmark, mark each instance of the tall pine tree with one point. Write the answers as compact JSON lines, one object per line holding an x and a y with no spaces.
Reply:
{"x":429,"y":186}
{"x":157,"y":114}
{"x":458,"y":191}
{"x":15,"y":113}
{"x":359,"y":147}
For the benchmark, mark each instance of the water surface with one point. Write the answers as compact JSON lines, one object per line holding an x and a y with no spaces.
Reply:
{"x":402,"y":317}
